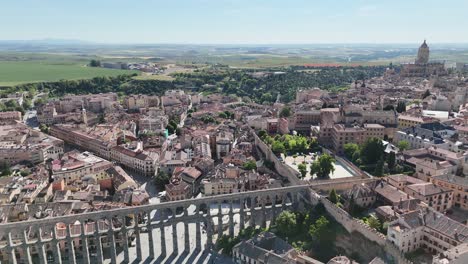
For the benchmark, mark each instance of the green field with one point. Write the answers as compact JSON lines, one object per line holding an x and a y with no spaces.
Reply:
{"x":18,"y":72}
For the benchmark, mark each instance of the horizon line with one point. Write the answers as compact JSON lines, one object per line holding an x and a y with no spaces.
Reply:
{"x":91,"y":42}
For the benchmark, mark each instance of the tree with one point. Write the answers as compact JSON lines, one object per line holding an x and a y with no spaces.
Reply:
{"x":403,"y":145}
{"x":27,"y":104}
{"x":391,"y":161}
{"x":302,"y":169}
{"x":372,"y":151}
{"x":350,"y":149}
{"x":426,"y":94}
{"x":401,"y":107}
{"x":95,"y":63}
{"x":249,"y":165}
{"x":262,"y":134}
{"x":44,"y":128}
{"x":278,"y":147}
{"x":226,"y":243}
{"x":286,"y":223}
{"x":388,"y":108}
{"x":223,"y":115}
{"x":314,"y":146}
{"x":5,"y":169}
{"x":161,"y":179}
{"x":285,"y":112}
{"x":318,"y":230}
{"x":379,"y":168}
{"x":333,"y":197}
{"x":374,"y":223}
{"x":102,"y":118}
{"x":323,"y":166}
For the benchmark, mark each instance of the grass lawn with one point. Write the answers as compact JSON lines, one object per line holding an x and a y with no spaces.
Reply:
{"x":18,"y":72}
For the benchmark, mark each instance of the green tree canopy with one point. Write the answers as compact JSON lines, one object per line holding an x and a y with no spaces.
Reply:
{"x":318,"y":230}
{"x":374,"y":223}
{"x":95,"y":63}
{"x":403,"y":145}
{"x":323,"y":166}
{"x":350,"y":149}
{"x":379,"y":168}
{"x":286,"y":223}
{"x":372,"y":150}
{"x":401,"y":107}
{"x":249,"y":165}
{"x":285,"y":112}
{"x":278,"y":147}
{"x":391,"y":161}
{"x":302,"y":167}
{"x":262,"y":134}
{"x":161,"y":179}
{"x":333,"y":196}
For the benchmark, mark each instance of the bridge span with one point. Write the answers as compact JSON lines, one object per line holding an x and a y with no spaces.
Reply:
{"x":148,"y":233}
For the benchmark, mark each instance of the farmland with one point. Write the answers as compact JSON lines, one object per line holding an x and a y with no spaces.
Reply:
{"x":18,"y":72}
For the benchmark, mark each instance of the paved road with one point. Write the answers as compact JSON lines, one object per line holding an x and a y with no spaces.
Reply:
{"x":30,"y":117}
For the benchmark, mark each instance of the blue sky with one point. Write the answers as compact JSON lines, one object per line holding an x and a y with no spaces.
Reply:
{"x":237,"y":21}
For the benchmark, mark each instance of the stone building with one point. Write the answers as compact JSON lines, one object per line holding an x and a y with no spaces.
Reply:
{"x":263,"y":248}
{"x":422,"y":67}
{"x":459,"y":186}
{"x":426,"y":229}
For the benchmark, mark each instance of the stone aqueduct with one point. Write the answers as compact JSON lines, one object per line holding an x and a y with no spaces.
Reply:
{"x":97,"y":236}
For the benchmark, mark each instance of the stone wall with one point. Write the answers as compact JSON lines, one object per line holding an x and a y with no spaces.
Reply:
{"x":281,"y":168}
{"x":338,"y":184}
{"x":355,"y":225}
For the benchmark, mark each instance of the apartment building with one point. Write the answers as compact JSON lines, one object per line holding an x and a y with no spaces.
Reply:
{"x":406,"y":121}
{"x":459,"y":186}
{"x":156,"y":124}
{"x":341,"y":135}
{"x":305,"y":119}
{"x":99,"y":143}
{"x":18,"y":143}
{"x":424,"y":135}
{"x":102,"y":140}
{"x":135,"y":102}
{"x":435,"y":196}
{"x":75,"y":165}
{"x":133,"y":157}
{"x":426,"y":229}
{"x":10,"y":116}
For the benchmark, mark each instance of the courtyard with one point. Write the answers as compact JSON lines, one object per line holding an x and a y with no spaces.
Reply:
{"x":293,"y":161}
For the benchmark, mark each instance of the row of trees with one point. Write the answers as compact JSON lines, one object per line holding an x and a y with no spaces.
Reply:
{"x":306,"y":230}
{"x":237,"y":82}
{"x":371,"y":157}
{"x":289,"y":143}
{"x":12,"y":105}
{"x":226,"y":115}
{"x":123,"y":84}
{"x":400,"y":107}
{"x":266,"y":89}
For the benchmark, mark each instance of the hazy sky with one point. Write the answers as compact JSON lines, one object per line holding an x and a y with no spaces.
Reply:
{"x":236,"y":21}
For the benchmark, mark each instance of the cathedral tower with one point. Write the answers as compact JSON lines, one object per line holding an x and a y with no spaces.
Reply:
{"x":423,"y":54}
